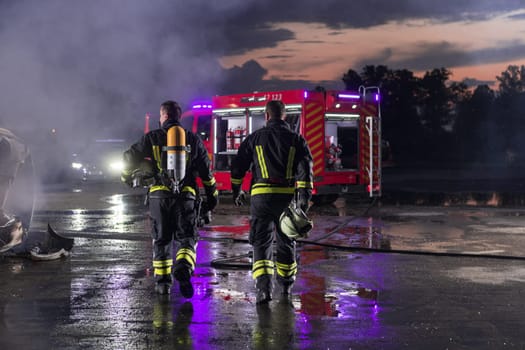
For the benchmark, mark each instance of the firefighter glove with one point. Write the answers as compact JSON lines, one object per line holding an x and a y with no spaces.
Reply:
{"x":204,"y":214}
{"x":239,"y":198}
{"x":126,"y":178}
{"x":212,"y":199}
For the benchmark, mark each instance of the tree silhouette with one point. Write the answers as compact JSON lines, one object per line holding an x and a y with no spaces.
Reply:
{"x":510,"y":111}
{"x":473,"y":125}
{"x":352,"y":80}
{"x":431,"y":119}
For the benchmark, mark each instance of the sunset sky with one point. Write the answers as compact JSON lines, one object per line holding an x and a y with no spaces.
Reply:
{"x":476,"y":40}
{"x":100,"y":65}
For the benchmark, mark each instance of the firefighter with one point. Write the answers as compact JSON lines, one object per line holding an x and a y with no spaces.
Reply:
{"x":281,"y":165}
{"x":178,"y":156}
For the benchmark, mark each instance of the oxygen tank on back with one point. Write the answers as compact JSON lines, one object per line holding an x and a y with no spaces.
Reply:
{"x":176,"y":152}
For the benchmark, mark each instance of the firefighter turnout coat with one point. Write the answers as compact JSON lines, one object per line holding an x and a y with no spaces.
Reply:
{"x":281,"y":164}
{"x":279,"y":159}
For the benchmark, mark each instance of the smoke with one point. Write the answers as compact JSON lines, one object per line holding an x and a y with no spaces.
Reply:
{"x":72,"y":71}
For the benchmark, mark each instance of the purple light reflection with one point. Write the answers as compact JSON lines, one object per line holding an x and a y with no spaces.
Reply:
{"x":204,"y":310}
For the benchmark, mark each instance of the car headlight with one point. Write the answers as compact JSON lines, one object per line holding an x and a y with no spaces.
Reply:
{"x":76,"y":165}
{"x":116,"y":166}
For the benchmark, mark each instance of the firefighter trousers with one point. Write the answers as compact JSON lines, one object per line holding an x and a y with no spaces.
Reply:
{"x":265,"y":210}
{"x":173,"y":225}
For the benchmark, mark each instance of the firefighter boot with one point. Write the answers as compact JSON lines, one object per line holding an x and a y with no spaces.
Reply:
{"x":286,"y":285}
{"x":263,"y":287}
{"x":182,"y":273}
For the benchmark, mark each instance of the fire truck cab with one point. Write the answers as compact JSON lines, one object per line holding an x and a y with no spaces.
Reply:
{"x":342,"y":129}
{"x":198,"y":120}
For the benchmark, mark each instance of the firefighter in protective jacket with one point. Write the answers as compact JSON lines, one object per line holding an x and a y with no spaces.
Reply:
{"x":281,"y":166}
{"x":178,"y":156}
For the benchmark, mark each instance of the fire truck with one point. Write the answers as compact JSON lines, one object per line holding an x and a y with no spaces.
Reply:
{"x":342,"y":129}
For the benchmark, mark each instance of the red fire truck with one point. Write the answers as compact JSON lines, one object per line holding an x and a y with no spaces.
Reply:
{"x":342,"y":128}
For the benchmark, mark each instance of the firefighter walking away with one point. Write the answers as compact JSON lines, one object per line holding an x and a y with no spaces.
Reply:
{"x":175,"y":157}
{"x":282,"y":181}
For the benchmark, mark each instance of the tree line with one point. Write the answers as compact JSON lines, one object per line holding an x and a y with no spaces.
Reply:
{"x":431,"y":119}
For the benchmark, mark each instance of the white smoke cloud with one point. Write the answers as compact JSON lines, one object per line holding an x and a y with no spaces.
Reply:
{"x":94,"y":68}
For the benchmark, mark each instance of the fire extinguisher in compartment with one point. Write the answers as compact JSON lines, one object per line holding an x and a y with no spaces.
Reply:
{"x":237,"y":137}
{"x":243,"y":134}
{"x":229,"y":139}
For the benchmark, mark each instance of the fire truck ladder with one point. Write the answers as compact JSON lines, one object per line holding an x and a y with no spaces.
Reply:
{"x":374,"y":139}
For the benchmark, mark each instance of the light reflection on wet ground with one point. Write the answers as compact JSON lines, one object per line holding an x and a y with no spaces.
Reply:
{"x":102,"y":297}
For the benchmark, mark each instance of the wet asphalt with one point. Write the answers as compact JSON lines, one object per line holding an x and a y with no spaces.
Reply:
{"x":397,"y":273}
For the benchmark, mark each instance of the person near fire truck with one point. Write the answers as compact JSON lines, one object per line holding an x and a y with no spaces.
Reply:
{"x":178,"y":156}
{"x":281,"y":165}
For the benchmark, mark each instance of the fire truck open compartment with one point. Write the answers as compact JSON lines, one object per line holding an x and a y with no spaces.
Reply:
{"x":341,"y":140}
{"x":342,"y":129}
{"x":233,"y":127}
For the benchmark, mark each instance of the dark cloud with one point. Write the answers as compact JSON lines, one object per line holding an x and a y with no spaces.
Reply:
{"x":272,"y":57}
{"x":310,"y":42}
{"x":251,"y":77}
{"x":426,"y":55}
{"x":254,"y":19}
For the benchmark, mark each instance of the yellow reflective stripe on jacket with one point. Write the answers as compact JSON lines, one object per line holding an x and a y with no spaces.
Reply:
{"x":156,"y":156}
{"x":289,"y":166}
{"x":236,"y":181}
{"x":159,"y":188}
{"x":262,"y":267}
{"x":189,"y":189}
{"x":262,"y":163}
{"x":267,"y":189}
{"x":304,"y":184}
{"x":211,"y":182}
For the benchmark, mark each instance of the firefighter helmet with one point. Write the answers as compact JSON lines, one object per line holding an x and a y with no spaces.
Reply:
{"x":294,"y":223}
